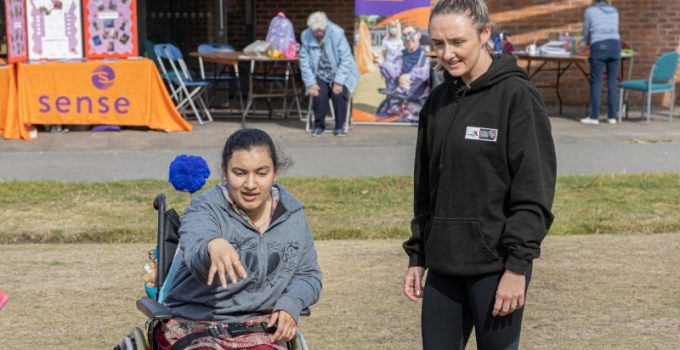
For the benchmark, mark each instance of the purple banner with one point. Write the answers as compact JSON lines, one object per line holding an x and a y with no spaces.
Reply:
{"x":386,"y":7}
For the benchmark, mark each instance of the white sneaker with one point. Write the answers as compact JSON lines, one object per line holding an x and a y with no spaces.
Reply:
{"x":612,"y":121}
{"x":590,"y":121}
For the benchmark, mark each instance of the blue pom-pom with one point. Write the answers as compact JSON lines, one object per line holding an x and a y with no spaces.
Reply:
{"x":188,"y":173}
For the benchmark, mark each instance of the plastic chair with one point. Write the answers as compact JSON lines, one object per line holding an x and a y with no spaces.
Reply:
{"x":168,"y":242}
{"x":661,"y":79}
{"x":223,"y":74}
{"x":185,"y":90}
{"x":151,"y":54}
{"x":309,"y":119}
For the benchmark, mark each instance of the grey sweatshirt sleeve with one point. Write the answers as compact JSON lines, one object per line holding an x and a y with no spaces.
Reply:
{"x":304,"y":288}
{"x":199,"y":226}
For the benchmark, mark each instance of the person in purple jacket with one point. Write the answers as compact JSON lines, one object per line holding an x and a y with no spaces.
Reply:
{"x":407,"y":75}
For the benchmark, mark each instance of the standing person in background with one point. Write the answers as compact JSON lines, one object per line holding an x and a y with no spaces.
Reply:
{"x":328,"y":69}
{"x":601,"y":31}
{"x":484,"y":184}
{"x":392,"y":44}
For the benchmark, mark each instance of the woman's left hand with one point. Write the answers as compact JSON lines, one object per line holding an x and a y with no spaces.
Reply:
{"x":510,"y":293}
{"x":337,"y":88}
{"x":285,"y":326}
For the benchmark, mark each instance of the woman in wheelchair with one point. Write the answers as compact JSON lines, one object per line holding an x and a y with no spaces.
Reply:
{"x":246,"y":265}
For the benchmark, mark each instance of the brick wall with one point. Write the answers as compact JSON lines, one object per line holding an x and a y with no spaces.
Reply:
{"x":651,"y":27}
{"x":339,"y":11}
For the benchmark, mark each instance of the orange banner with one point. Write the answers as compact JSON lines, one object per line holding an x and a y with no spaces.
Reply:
{"x":125,"y":92}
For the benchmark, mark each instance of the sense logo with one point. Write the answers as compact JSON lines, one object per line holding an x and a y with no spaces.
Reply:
{"x":103,"y":77}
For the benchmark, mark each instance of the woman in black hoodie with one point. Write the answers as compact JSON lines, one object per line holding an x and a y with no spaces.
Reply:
{"x":484,"y":184}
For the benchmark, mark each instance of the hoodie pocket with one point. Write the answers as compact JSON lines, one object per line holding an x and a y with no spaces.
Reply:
{"x":459,"y":242}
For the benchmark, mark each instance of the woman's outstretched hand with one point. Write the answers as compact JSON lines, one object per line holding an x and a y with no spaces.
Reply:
{"x":510,"y":293}
{"x":413,"y":282}
{"x":224,"y":260}
{"x":285,"y":326}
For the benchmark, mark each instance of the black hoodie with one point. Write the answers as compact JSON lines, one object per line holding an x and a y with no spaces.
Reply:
{"x":484,"y":175}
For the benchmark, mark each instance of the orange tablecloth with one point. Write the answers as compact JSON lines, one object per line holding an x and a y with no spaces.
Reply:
{"x":125,"y":92}
{"x":8,"y":101}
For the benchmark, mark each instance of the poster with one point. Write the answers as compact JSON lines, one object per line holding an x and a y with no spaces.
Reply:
{"x":16,"y":30}
{"x":391,"y":51}
{"x":110,"y":28}
{"x":54,"y":29}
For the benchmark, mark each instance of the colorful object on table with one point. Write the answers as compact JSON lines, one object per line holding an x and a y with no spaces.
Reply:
{"x":280,"y":35}
{"x":188,"y":173}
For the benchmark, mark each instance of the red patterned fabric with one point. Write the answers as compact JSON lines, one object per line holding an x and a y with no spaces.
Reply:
{"x":173,"y":330}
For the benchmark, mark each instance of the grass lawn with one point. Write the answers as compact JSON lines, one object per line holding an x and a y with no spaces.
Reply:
{"x":337,"y":208}
{"x":587,"y":292}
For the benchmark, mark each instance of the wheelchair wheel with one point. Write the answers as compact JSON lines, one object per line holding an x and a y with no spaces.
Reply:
{"x":140,"y":339}
{"x":128,"y":344}
{"x":298,"y":342}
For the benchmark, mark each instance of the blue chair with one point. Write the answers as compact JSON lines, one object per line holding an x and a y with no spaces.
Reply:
{"x":185,"y":90}
{"x":223,"y":75}
{"x":661,"y":79}
{"x":151,"y":54}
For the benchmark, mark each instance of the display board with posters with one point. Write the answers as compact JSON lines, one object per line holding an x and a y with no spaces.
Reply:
{"x":54,"y":29}
{"x":16,"y":30}
{"x":110,"y":28}
{"x":391,"y":52}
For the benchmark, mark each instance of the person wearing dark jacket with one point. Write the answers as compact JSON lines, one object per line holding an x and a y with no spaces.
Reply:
{"x":484,"y":184}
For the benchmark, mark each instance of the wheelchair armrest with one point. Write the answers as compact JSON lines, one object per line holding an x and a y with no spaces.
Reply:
{"x":153,"y":310}
{"x":305,"y":312}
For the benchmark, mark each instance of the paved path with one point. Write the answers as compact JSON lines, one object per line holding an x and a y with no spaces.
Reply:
{"x":368,"y":150}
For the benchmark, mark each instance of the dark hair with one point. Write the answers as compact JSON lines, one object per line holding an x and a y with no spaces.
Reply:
{"x":476,"y":9}
{"x":247,"y":139}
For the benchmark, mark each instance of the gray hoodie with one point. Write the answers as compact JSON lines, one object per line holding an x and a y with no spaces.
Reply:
{"x":601,"y":22}
{"x":281,"y":264}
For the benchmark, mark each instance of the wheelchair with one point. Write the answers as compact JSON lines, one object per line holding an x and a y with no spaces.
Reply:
{"x":400,"y":104}
{"x":168,"y":240}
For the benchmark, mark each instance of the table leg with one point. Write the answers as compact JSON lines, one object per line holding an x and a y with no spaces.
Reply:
{"x":529,"y":69}
{"x":250,"y":94}
{"x":557,"y":84}
{"x":295,"y":93}
{"x":285,"y":88}
{"x":587,"y":76}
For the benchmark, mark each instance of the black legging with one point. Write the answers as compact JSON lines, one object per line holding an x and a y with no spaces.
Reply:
{"x":453,"y":305}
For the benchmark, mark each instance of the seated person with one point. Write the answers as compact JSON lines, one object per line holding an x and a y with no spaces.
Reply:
{"x":407,"y":75}
{"x":245,"y":255}
{"x":328,"y":70}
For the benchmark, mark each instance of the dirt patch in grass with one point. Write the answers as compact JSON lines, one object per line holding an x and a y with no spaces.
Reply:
{"x":588,"y":292}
